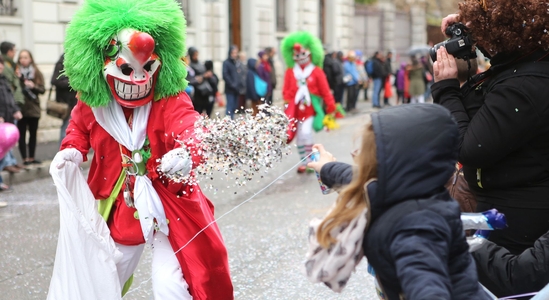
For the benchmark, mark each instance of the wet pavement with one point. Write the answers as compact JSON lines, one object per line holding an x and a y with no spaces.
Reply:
{"x":265,"y":237}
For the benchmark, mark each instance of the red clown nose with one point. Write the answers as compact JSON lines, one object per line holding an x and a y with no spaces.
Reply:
{"x":142,"y":46}
{"x":297,"y":48}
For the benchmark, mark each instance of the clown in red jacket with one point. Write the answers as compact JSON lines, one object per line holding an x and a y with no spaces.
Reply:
{"x":306,"y":91}
{"x":124,"y":59}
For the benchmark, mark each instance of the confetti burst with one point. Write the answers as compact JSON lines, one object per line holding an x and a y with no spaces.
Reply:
{"x":240,"y":148}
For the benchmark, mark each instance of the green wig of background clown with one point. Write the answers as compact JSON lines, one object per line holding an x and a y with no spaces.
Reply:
{"x":307,"y":40}
{"x":92,"y":28}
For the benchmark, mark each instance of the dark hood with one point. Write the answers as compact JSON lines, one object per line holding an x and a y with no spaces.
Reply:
{"x":251,"y":64}
{"x":416,"y":153}
{"x":231,"y":48}
{"x":191,"y":52}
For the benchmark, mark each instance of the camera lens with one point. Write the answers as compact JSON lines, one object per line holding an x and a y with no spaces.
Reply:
{"x":433,"y":51}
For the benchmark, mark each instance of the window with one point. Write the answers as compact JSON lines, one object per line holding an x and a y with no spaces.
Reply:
{"x":281,"y":15}
{"x":7,"y":8}
{"x":185,"y":7}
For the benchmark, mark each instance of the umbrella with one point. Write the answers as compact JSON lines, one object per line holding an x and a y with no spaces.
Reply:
{"x":420,"y":49}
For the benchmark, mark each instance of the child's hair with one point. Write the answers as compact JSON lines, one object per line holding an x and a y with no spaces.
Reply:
{"x":352,"y":199}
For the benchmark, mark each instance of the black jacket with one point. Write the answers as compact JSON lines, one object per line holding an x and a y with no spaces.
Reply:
{"x":251,"y":94}
{"x":415,"y":241}
{"x":504,"y":133}
{"x":7,"y":102}
{"x":333,"y":72}
{"x":379,"y":69}
{"x":233,"y":82}
{"x":515,"y":274}
{"x":63,"y":91}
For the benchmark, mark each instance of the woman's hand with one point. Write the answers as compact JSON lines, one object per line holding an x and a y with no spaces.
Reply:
{"x":29,"y":84}
{"x":445,"y":67}
{"x":16,"y":115}
{"x":447,"y":21}
{"x":324,"y":158}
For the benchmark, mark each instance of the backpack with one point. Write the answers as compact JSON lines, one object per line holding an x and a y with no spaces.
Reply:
{"x":370,"y":67}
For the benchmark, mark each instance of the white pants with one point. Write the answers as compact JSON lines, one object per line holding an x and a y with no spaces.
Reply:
{"x":167,"y":278}
{"x":305,"y":132}
{"x":418,"y":99}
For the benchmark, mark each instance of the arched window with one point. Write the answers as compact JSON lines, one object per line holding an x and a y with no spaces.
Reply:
{"x":185,"y":7}
{"x":281,"y":15}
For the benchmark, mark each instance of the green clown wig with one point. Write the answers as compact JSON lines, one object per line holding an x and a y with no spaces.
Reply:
{"x":92,"y":28}
{"x":307,"y":40}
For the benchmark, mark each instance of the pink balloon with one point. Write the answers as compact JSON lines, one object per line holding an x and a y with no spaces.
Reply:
{"x":9,"y":135}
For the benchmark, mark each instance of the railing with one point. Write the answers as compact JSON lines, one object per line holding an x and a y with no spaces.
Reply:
{"x":7,"y":8}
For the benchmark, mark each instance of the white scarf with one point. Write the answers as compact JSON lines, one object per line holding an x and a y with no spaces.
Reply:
{"x":146,"y":200}
{"x":301,"y":76}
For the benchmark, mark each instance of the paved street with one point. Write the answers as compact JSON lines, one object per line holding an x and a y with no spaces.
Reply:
{"x":266,"y":237}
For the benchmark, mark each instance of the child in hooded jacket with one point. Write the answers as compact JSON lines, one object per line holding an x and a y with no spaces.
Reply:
{"x":414,"y":238}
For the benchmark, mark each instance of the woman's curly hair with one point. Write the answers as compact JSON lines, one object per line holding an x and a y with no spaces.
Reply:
{"x":507,"y":26}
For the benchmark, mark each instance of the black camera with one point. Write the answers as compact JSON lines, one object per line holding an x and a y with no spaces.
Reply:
{"x":460,"y":45}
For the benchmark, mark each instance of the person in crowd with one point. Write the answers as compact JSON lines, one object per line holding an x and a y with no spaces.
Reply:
{"x":203,"y":90}
{"x":502,"y":116}
{"x":416,"y":73}
{"x":32,"y":84}
{"x":213,"y":80}
{"x":271,"y":52}
{"x":360,"y":66}
{"x":242,"y":69}
{"x":402,"y":84}
{"x":9,"y":112}
{"x":412,"y":236}
{"x":515,"y":274}
{"x":330,"y":69}
{"x":264,"y":71}
{"x":339,"y":91}
{"x":388,"y":69}
{"x":233,"y":81}
{"x":377,"y":75}
{"x":63,"y":92}
{"x":251,"y":93}
{"x":352,"y":81}
{"x":191,"y":76}
{"x":8,"y":52}
{"x":428,"y":76}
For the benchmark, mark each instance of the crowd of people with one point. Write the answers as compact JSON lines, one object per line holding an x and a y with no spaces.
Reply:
{"x":21,"y":84}
{"x":249,"y":82}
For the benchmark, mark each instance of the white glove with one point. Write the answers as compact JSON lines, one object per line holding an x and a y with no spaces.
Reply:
{"x":176,"y":161}
{"x":68,"y":154}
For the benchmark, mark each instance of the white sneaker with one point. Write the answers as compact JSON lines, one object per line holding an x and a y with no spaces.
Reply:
{"x":3,"y":204}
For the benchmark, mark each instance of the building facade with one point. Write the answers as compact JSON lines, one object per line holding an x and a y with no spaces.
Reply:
{"x":214,"y":25}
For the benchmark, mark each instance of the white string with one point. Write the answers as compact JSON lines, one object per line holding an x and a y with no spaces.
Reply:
{"x":215,"y":221}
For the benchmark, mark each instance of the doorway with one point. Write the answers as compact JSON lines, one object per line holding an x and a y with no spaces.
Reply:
{"x":235,"y":35}
{"x":322,"y":20}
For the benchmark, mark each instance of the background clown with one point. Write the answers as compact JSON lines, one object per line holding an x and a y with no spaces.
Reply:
{"x":124,"y":59}
{"x":306,"y":90}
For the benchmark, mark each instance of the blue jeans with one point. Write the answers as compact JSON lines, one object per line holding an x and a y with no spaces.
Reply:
{"x":232,"y":103}
{"x":378,"y":83}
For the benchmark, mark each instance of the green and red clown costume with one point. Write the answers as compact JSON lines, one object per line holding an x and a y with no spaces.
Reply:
{"x":305,"y":91}
{"x":123,"y":57}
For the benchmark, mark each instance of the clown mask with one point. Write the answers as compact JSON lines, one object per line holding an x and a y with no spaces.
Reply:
{"x":302,"y":55}
{"x":131,"y":67}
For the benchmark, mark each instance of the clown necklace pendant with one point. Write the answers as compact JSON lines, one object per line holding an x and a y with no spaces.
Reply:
{"x":128,"y":198}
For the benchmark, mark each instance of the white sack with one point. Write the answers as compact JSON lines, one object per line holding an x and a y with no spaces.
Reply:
{"x":85,"y":262}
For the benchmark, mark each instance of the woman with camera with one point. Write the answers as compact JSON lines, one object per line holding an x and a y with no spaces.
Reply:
{"x":502,"y":116}
{"x":32,"y":84}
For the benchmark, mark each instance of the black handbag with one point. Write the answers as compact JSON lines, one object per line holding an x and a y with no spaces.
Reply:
{"x":205,"y":89}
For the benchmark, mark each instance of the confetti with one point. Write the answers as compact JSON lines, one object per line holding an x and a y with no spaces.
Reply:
{"x":238,"y":149}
